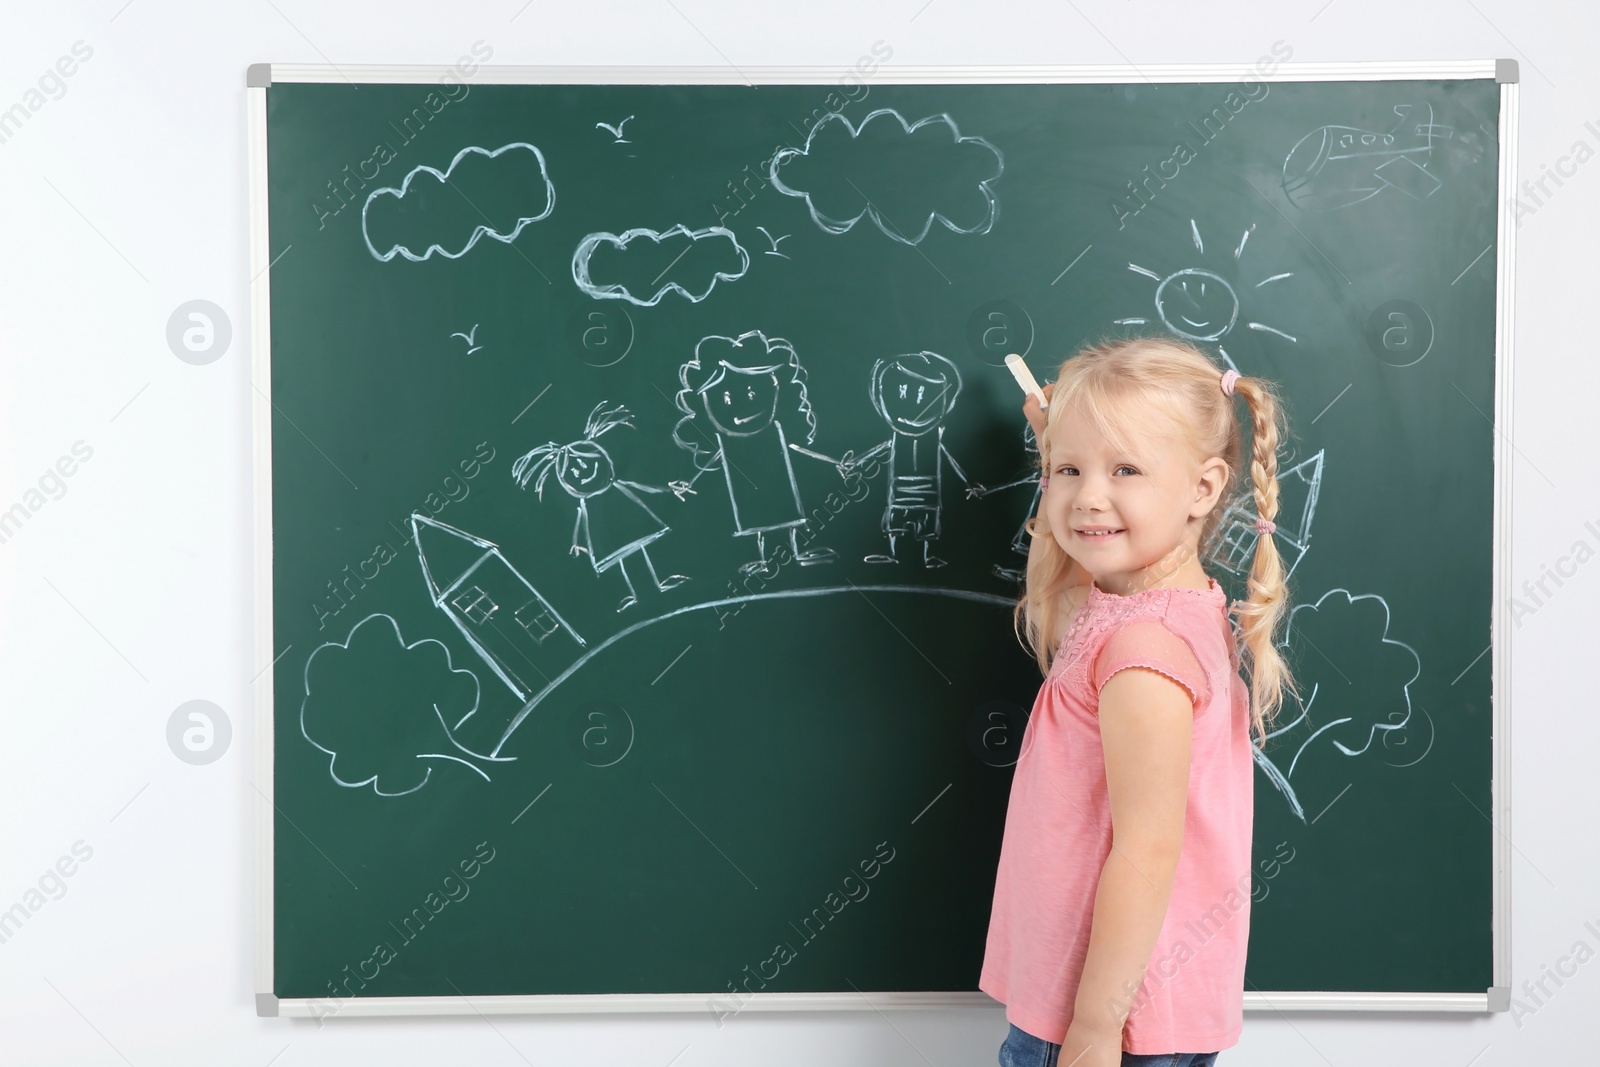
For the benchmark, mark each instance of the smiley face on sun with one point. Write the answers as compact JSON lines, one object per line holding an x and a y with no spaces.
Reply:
{"x":1200,"y":300}
{"x":1200,"y":304}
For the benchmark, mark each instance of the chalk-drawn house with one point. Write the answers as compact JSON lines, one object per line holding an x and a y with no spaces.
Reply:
{"x":522,"y":638}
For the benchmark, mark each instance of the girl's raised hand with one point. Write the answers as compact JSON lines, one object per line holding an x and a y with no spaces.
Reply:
{"x":1035,"y":413}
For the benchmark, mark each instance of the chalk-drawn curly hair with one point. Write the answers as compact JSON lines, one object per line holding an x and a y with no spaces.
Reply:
{"x":697,"y":375}
{"x":1132,"y":387}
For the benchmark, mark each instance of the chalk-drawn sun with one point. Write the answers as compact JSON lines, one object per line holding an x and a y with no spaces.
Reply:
{"x":1201,"y":304}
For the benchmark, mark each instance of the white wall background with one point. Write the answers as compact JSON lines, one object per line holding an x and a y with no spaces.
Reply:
{"x":130,"y":593}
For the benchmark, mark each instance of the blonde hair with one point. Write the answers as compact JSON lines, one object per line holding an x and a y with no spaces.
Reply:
{"x":1174,"y":391}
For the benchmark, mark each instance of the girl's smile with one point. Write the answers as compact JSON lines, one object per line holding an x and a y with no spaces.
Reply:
{"x":1098,"y":533}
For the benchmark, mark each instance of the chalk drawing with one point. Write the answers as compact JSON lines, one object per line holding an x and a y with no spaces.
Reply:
{"x":1364,"y":698}
{"x":546,"y":204}
{"x":730,"y":398}
{"x":372,"y":705}
{"x":915,"y":229}
{"x":913,"y":393}
{"x":1200,"y":304}
{"x":469,"y":337}
{"x":615,"y":131}
{"x":615,"y":291}
{"x":613,"y":523}
{"x":1335,"y":167}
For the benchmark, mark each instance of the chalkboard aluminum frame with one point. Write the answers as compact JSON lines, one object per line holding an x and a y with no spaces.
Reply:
{"x":261,"y":76}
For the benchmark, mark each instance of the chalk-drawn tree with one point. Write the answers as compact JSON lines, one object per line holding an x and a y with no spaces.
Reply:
{"x":1356,"y":685}
{"x":384,"y":711}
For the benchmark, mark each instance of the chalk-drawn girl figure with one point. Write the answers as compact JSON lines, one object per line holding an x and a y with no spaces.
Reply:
{"x":613,"y":523}
{"x":1143,"y":733}
{"x":913,"y":393}
{"x":735,"y":396}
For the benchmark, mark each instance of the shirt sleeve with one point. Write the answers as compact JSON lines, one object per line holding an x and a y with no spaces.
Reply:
{"x":1153,"y":645}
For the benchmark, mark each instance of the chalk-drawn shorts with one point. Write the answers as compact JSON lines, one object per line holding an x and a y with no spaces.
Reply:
{"x":1022,"y":1049}
{"x":920,"y":522}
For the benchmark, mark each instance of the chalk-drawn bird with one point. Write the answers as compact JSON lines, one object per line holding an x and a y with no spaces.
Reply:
{"x":774,"y":242}
{"x":468,"y":337}
{"x":615,"y":131}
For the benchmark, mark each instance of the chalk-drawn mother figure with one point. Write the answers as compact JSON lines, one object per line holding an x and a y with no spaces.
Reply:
{"x":737,"y":395}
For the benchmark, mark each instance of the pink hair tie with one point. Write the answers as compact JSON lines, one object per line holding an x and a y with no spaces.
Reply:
{"x":1228,"y":378}
{"x":1266,"y":526}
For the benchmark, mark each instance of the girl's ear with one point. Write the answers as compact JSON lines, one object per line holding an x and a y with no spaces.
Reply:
{"x":1209,"y":486}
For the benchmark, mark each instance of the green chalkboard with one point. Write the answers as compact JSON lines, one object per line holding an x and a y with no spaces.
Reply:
{"x":646,"y":487}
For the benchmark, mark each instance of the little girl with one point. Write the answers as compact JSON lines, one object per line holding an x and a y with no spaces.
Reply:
{"x":1122,"y":898}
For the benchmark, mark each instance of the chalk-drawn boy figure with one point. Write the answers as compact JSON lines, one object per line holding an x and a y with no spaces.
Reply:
{"x":613,"y":523}
{"x":913,"y":393}
{"x":733,"y":393}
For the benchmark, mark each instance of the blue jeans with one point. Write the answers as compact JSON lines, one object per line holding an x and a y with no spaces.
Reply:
{"x":1022,"y":1049}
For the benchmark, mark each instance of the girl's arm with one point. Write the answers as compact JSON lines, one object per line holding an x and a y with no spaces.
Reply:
{"x":1146,"y":724}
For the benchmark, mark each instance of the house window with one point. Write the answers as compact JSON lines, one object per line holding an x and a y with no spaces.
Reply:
{"x":475,"y":604}
{"x":538,"y":620}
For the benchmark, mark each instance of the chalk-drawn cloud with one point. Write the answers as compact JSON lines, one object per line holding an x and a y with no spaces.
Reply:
{"x":1355,"y":688}
{"x":382,"y":709}
{"x":904,"y":176}
{"x":709,"y":255}
{"x":482,"y":193}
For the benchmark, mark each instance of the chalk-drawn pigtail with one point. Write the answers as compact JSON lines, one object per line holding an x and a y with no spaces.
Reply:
{"x":537,"y":463}
{"x":1262,"y":611}
{"x":601,"y":419}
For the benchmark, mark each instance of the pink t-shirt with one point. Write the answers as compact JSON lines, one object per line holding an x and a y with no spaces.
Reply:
{"x":1058,"y":830}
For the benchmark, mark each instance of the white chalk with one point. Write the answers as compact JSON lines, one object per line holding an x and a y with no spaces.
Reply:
{"x":1025,"y":378}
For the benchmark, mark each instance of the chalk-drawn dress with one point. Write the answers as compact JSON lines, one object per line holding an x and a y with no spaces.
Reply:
{"x":761,"y":481}
{"x":614,"y":523}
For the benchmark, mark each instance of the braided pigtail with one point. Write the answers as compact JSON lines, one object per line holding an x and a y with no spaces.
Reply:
{"x":1262,"y":612}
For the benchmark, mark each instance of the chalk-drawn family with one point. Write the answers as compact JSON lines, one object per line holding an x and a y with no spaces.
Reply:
{"x":746,"y":414}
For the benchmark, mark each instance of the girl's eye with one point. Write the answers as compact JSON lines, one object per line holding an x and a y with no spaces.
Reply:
{"x":1069,"y":471}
